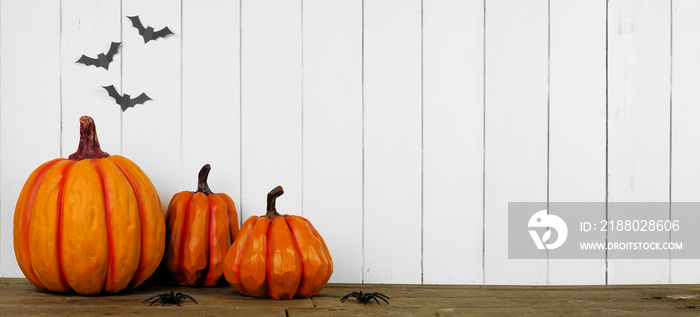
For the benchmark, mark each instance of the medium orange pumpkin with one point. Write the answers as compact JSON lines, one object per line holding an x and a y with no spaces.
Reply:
{"x":278,"y":256}
{"x":89,"y":223}
{"x":200,"y":227}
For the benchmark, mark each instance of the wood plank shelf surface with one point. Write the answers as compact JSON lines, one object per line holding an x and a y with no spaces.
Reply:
{"x":19,"y":298}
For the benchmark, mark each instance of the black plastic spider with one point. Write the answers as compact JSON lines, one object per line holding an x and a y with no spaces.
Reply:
{"x":366,"y":297}
{"x":171,"y":298}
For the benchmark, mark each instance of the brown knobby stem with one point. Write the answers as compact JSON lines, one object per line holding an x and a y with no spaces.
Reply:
{"x":89,"y":146}
{"x":271,"y":198}
{"x":202,"y":186}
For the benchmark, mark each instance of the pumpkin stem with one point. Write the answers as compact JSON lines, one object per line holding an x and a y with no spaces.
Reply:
{"x":89,"y":146}
{"x":202,"y":186}
{"x":271,"y":199}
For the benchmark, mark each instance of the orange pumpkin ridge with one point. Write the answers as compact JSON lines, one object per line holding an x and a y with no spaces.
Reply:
{"x":184,"y":235}
{"x":109,"y":280}
{"x":22,"y":243}
{"x":61,"y":196}
{"x":140,"y":271}
{"x":216,"y":244}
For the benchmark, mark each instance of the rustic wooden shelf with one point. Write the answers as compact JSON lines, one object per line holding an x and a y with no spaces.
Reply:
{"x":19,"y":298}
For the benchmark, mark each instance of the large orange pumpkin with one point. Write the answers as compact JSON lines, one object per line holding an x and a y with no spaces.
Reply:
{"x":200,"y":227}
{"x":89,"y":223}
{"x":278,"y":256}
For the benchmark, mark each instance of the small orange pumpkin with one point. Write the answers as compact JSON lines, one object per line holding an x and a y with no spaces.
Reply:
{"x":89,"y":223}
{"x":278,"y":256}
{"x":200,"y":227}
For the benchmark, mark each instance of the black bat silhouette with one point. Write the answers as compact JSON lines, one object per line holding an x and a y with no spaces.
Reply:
{"x":102,"y":59}
{"x":125,"y":100}
{"x":148,"y":33}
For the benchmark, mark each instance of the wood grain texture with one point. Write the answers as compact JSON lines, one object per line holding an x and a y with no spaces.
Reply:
{"x":271,"y":105}
{"x":30,"y":95}
{"x":332,"y":139}
{"x":453,"y":141}
{"x":685,"y":171}
{"x":88,"y":28}
{"x":211,"y":95}
{"x":516,"y":130}
{"x":577,"y":121}
{"x":392,"y":141}
{"x":152,"y":135}
{"x":638,"y":121}
{"x":21,"y":299}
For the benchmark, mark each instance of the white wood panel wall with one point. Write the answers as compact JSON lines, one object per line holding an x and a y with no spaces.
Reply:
{"x":211,"y":109}
{"x":392,"y":141}
{"x":332,"y":128}
{"x":577,"y":120}
{"x":639,"y":74}
{"x":515,"y":128}
{"x":685,"y":170}
{"x":30,"y":104}
{"x":453,"y":140}
{"x":154,"y":68}
{"x":400,"y":128}
{"x":271,"y":113}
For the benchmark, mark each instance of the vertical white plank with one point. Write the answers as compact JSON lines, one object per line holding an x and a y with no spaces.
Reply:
{"x":516,"y":130}
{"x":211,"y":95}
{"x":392,"y":141}
{"x":685,"y":171}
{"x":152,"y":131}
{"x":638,"y":119}
{"x":271,"y":104}
{"x":453,"y":144}
{"x":88,"y":28}
{"x":332,"y":139}
{"x":577,"y":120}
{"x":30,"y":115}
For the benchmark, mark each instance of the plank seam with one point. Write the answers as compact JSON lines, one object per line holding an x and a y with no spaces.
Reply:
{"x":483,"y":158}
{"x":607,"y":130}
{"x":121,"y":75}
{"x":301,"y":101}
{"x":549,"y":87}
{"x":240,"y":110}
{"x":670,"y":138}
{"x":60,"y":78}
{"x":422,"y":142}
{"x":362,"y":276}
{"x":1,"y":152}
{"x":182,"y":145}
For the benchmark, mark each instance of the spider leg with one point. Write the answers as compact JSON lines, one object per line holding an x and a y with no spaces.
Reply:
{"x":181,"y":296}
{"x":375,"y":299}
{"x":353,"y":294}
{"x":381,"y":296}
{"x":153,"y":302}
{"x":152,"y":297}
